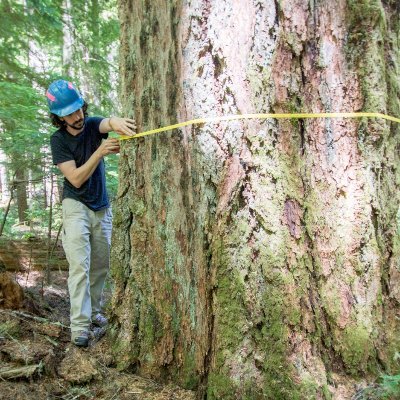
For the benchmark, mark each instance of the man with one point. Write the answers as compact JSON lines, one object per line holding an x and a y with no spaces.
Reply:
{"x":78,"y":148}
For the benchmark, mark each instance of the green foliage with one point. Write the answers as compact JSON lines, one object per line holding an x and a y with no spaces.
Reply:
{"x":12,"y":220}
{"x":112,"y":176}
{"x":94,"y":53}
{"x":41,"y":41}
{"x":391,"y":385}
{"x":20,"y":114}
{"x":38,"y":217}
{"x":387,"y":388}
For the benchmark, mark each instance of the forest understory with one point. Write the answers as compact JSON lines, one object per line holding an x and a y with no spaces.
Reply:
{"x":37,"y":360}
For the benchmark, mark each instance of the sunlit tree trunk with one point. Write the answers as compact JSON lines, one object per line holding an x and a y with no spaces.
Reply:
{"x":68,"y":40}
{"x":44,"y":183}
{"x":258,"y":259}
{"x":22,"y":195}
{"x":4,"y":191}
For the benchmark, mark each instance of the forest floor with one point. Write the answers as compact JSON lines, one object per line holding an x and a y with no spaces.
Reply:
{"x":37,"y":360}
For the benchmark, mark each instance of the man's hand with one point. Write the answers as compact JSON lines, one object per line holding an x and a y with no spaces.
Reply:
{"x":122,"y":126}
{"x":108,"y":146}
{"x":78,"y":176}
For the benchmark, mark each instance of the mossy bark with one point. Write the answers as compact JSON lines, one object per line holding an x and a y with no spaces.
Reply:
{"x":258,"y":259}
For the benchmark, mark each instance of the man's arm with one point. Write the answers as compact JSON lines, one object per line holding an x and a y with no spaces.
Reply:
{"x":122,"y":126}
{"x":78,"y":176}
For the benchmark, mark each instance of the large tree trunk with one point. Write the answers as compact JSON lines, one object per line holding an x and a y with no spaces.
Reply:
{"x":258,"y":259}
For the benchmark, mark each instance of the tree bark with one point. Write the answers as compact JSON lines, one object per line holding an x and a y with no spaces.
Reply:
{"x":22,"y":197}
{"x":258,"y":259}
{"x":3,"y":177}
{"x":3,"y":222}
{"x":49,"y":231}
{"x":68,"y":39}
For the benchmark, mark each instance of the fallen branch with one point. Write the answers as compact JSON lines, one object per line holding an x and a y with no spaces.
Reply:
{"x":22,"y":315}
{"x":12,"y":372}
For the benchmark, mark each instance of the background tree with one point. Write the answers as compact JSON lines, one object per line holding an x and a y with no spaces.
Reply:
{"x":41,"y":41}
{"x":259,"y":259}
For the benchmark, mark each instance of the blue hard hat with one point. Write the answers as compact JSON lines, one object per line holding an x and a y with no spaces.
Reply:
{"x":63,"y":98}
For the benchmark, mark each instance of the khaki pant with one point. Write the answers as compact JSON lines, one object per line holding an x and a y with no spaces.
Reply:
{"x":86,"y":241}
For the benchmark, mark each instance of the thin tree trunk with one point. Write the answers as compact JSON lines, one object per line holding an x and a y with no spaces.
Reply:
{"x":3,"y":222}
{"x":68,"y":39}
{"x":44,"y":183}
{"x":49,"y":231}
{"x":3,"y":176}
{"x":258,"y":259}
{"x":55,"y":245}
{"x":22,"y":202}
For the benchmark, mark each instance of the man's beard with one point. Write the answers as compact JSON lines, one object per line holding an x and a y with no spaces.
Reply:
{"x":77,"y":125}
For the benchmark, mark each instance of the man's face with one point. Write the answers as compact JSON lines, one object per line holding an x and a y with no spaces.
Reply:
{"x":75,"y":120}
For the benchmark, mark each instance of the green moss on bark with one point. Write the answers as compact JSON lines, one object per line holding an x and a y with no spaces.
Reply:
{"x":186,"y":375}
{"x":220,"y":386}
{"x":263,"y":285}
{"x":274,"y":334}
{"x":356,"y":348}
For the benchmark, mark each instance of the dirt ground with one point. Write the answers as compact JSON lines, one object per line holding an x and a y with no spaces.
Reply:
{"x":37,"y":360}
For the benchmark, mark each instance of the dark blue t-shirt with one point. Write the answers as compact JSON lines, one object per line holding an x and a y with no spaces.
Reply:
{"x":66,"y":147}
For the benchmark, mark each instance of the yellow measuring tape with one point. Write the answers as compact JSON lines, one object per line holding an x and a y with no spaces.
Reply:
{"x":262,"y":116}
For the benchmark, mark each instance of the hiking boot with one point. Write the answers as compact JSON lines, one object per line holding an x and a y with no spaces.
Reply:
{"x":80,"y":338}
{"x":99,"y":320}
{"x":98,"y":333}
